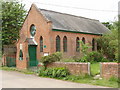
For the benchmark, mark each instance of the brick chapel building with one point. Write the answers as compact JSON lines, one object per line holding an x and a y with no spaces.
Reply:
{"x":45,"y":32}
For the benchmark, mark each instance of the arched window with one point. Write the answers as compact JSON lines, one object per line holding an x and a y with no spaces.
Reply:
{"x":93,"y":44}
{"x":65,"y":44}
{"x":32,"y":30}
{"x":57,"y":44}
{"x":98,"y":47}
{"x":20,"y":55}
{"x":77,"y":44}
{"x":41,"y":44}
{"x":83,"y":40}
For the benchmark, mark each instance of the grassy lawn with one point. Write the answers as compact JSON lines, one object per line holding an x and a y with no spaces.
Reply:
{"x":95,"y":68}
{"x":14,"y":69}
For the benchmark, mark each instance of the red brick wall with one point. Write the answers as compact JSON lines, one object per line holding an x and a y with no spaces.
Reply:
{"x":110,"y":69}
{"x":71,"y":42}
{"x":73,"y":67}
{"x":22,"y":64}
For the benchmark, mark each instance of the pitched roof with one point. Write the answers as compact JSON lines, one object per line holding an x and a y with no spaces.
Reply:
{"x":66,"y":22}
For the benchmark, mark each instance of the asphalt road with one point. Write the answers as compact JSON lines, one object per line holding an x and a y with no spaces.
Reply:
{"x":12,"y":79}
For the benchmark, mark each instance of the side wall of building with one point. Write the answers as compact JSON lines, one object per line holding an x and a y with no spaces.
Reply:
{"x":71,"y":42}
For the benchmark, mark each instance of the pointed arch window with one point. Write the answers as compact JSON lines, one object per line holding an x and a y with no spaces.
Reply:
{"x":41,"y":44}
{"x":20,"y":55}
{"x":77,"y":45}
{"x":83,"y":40}
{"x":98,"y":46}
{"x":57,"y":44}
{"x":93,"y":44}
{"x":65,"y":44}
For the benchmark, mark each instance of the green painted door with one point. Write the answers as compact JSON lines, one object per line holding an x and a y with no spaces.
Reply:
{"x":32,"y":55}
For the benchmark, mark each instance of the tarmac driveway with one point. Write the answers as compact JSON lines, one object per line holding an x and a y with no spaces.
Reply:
{"x":12,"y":79}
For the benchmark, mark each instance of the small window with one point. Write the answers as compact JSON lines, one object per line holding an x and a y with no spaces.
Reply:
{"x":65,"y":44}
{"x":77,"y":45}
{"x":57,"y":44}
{"x":83,"y":40}
{"x":41,"y":44}
{"x":93,"y":44}
{"x":32,"y":30}
{"x":20,"y":55}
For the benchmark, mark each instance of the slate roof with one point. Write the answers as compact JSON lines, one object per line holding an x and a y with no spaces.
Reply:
{"x":66,"y":22}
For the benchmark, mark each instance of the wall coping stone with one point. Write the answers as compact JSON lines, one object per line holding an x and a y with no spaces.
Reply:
{"x":71,"y":62}
{"x":109,"y":63}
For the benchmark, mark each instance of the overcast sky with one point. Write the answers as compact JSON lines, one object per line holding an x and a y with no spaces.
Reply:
{"x":103,"y":10}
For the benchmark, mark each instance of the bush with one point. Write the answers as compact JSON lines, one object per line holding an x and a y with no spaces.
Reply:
{"x":54,"y":72}
{"x":51,"y":58}
{"x":94,"y":57}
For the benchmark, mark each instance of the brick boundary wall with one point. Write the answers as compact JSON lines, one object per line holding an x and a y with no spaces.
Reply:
{"x":108,"y":70}
{"x":73,"y":67}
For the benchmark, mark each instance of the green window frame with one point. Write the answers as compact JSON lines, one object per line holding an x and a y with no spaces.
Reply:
{"x":20,"y":55}
{"x":77,"y":45}
{"x":57,"y":44}
{"x":93,"y":44}
{"x":65,"y":44}
{"x":83,"y":40}
{"x":32,"y":30}
{"x":41,"y":44}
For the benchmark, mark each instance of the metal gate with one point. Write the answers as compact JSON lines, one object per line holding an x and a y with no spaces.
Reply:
{"x":10,"y":61}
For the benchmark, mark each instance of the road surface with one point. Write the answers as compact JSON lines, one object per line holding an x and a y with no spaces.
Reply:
{"x":12,"y":79}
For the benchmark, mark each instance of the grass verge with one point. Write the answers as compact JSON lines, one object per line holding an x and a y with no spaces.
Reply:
{"x":95,"y":68}
{"x":15,"y":69}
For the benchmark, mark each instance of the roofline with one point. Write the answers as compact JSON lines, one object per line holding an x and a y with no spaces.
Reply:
{"x":68,"y":14}
{"x":75,"y":32}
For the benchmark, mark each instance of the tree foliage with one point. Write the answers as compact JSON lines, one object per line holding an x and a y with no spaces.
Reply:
{"x":109,"y":43}
{"x":108,"y":25}
{"x":13,"y":14}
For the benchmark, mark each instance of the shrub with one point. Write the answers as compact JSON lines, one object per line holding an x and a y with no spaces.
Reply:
{"x":54,"y":72}
{"x":93,"y":57}
{"x":51,"y":58}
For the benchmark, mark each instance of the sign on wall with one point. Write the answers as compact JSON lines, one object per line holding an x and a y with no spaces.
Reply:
{"x":46,"y":54}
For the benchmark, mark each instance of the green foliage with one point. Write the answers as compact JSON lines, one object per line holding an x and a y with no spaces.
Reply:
{"x":51,"y":58}
{"x":84,"y":48}
{"x":114,"y":79}
{"x":92,"y":57}
{"x":107,"y":24}
{"x":67,"y":60}
{"x":13,"y":15}
{"x":95,"y":56}
{"x":54,"y":72}
{"x":109,"y":43}
{"x":95,"y":68}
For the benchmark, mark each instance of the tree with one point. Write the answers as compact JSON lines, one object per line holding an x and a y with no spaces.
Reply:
{"x":109,"y":43}
{"x":107,"y":24}
{"x":13,"y":14}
